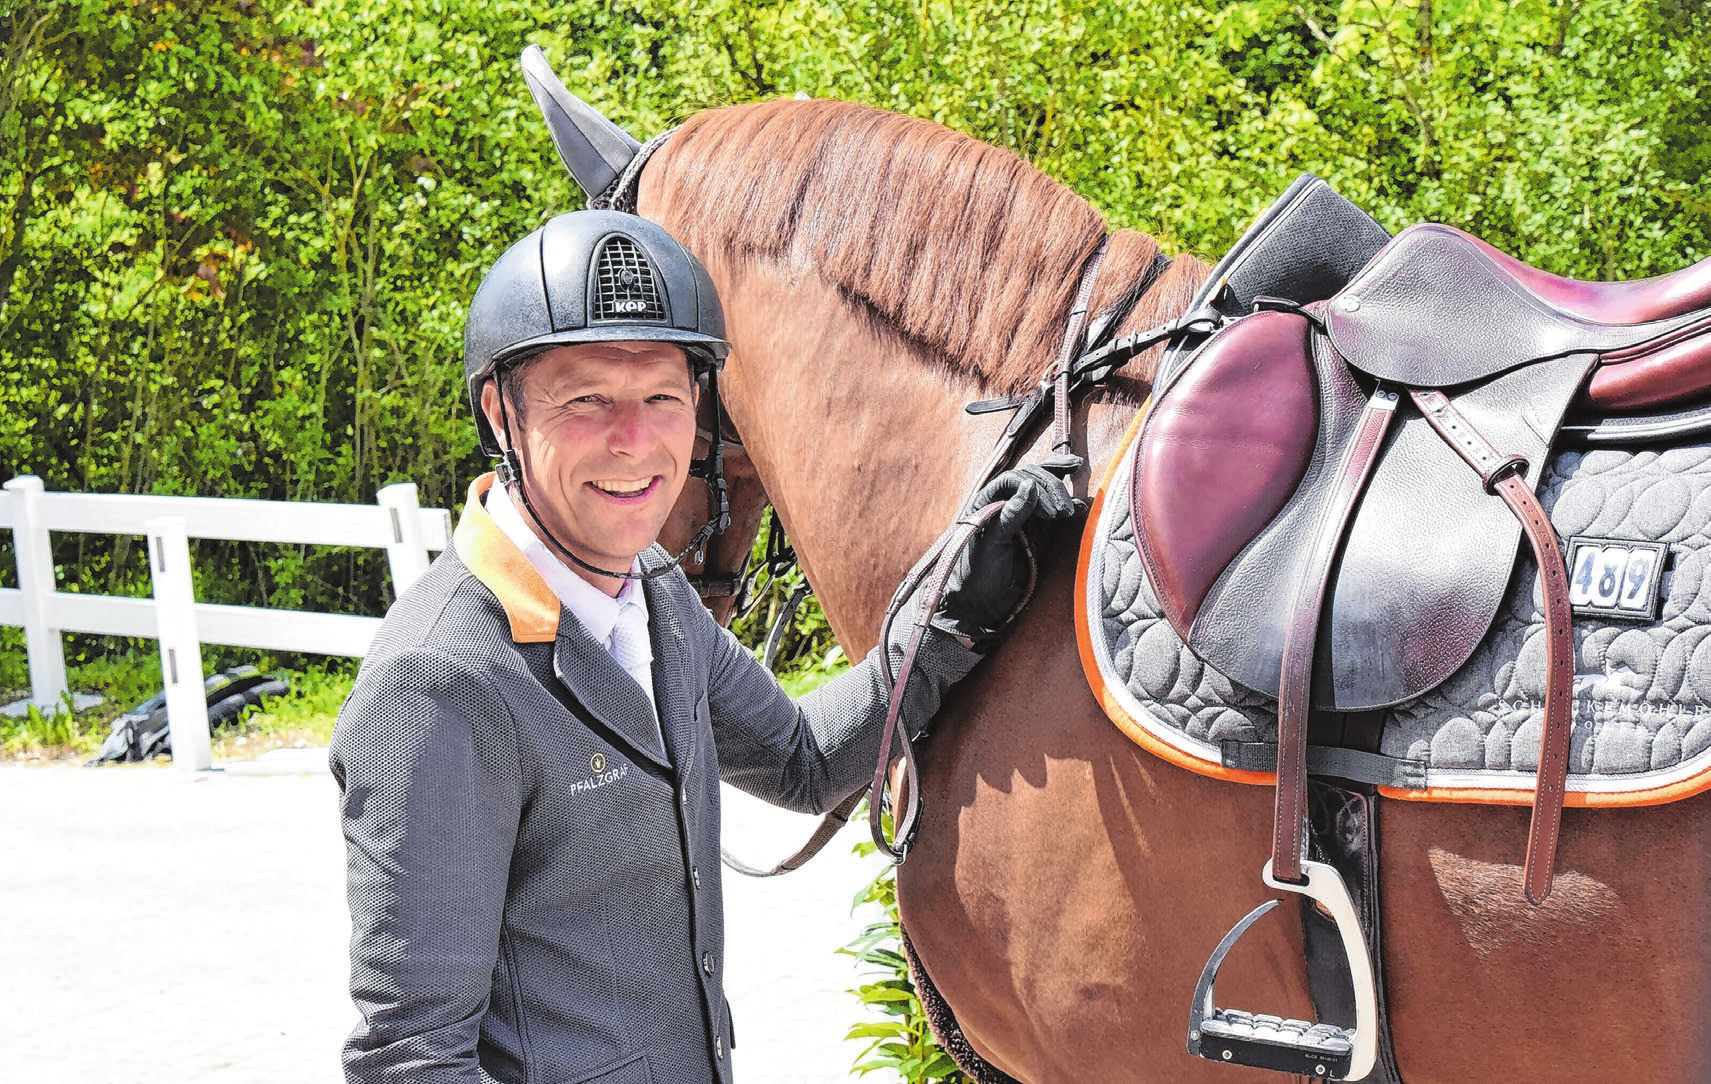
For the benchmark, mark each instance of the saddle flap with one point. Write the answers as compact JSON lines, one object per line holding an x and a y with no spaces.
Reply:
{"x":1235,"y":468}
{"x":1433,"y":309}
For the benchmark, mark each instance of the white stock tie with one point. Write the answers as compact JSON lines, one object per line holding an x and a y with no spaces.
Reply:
{"x":631,"y":650}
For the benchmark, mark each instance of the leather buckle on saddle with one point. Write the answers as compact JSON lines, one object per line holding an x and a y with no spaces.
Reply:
{"x":1320,"y":1051}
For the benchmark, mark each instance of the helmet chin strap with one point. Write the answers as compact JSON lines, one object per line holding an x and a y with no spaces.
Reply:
{"x":711,"y":469}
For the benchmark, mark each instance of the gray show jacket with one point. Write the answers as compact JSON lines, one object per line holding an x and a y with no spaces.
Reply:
{"x":534,"y":884}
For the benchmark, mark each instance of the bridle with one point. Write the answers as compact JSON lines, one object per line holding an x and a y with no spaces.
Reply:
{"x":707,"y":584}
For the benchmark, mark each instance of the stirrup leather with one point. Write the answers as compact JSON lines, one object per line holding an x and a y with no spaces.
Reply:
{"x":1322,"y":1051}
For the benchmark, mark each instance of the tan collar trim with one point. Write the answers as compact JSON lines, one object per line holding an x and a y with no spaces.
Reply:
{"x":529,"y":603}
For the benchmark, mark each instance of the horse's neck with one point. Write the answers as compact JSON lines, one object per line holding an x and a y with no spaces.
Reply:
{"x":862,"y":441}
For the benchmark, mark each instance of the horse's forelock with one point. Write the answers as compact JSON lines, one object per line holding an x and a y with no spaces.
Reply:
{"x":964,"y":248}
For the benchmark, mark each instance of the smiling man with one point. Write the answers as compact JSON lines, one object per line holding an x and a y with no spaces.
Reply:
{"x":529,"y":763}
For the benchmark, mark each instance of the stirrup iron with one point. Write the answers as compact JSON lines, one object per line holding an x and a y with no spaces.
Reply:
{"x":1321,"y":1051}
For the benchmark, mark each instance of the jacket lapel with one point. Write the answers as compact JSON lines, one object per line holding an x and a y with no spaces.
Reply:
{"x":672,"y":686}
{"x":599,"y":684}
{"x":583,"y":666}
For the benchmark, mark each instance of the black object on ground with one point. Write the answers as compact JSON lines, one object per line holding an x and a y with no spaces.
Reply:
{"x":144,"y":731}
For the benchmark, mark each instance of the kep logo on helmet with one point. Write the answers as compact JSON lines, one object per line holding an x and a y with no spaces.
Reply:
{"x":623,"y":283}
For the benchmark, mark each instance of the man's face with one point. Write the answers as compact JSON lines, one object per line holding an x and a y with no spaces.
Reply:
{"x":605,"y":432}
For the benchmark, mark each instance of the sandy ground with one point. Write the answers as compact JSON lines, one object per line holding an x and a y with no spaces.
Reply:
{"x":159,"y":928}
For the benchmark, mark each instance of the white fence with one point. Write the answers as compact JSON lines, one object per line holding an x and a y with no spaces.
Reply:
{"x":396,"y":524}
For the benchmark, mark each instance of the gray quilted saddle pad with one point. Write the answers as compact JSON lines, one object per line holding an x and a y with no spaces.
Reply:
{"x":1642,"y":707}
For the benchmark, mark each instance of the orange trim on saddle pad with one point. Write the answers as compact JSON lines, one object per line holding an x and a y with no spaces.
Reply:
{"x":1578,"y":799}
{"x":1143,"y":736}
{"x":529,"y":603}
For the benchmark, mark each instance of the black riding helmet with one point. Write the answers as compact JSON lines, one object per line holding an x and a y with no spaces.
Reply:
{"x":589,"y":277}
{"x":597,"y":277}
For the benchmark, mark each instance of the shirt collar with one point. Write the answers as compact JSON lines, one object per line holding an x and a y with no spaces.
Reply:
{"x":597,"y":611}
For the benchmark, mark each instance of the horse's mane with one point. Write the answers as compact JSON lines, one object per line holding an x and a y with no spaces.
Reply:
{"x":988,"y":297}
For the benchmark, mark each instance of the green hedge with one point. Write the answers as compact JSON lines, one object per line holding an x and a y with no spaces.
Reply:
{"x":237,"y":236}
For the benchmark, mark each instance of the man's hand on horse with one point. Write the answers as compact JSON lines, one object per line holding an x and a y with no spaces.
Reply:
{"x":995,"y":573}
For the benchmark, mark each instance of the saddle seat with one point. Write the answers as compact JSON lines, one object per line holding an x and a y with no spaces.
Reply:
{"x":1240,"y":452}
{"x":1438,"y":307}
{"x":1664,"y":373}
{"x":1636,"y":301}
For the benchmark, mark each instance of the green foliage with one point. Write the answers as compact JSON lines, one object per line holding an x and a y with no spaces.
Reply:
{"x":123,"y":677}
{"x":1565,"y":130}
{"x":237,"y":236}
{"x":899,"y":1041}
{"x":14,"y":662}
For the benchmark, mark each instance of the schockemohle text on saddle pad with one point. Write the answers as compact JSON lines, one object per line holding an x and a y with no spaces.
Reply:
{"x":1642,"y":691}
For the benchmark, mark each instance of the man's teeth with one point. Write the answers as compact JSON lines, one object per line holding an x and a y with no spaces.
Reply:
{"x":623,"y":487}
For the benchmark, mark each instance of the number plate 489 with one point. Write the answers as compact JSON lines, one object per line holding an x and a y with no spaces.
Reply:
{"x":1615,"y":577}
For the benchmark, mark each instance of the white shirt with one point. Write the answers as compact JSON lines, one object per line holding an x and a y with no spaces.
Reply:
{"x":597,"y":611}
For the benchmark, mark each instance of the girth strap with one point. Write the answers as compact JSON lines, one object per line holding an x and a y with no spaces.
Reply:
{"x":1345,"y":836}
{"x":1336,"y":762}
{"x":1502,"y":475}
{"x":1295,"y":691}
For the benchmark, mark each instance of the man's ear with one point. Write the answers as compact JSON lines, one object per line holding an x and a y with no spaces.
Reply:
{"x":490,"y":407}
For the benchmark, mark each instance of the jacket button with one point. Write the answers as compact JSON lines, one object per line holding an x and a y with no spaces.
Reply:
{"x":719,"y":1047}
{"x":695,"y":875}
{"x":683,"y":798}
{"x":707,"y":962}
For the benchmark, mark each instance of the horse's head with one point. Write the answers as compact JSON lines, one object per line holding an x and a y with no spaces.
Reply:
{"x":878,"y":272}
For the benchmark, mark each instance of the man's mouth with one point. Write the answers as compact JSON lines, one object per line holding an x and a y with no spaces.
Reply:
{"x":626,"y":489}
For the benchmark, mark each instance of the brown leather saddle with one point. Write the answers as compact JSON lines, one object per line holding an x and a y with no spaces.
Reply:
{"x":1330,"y":494}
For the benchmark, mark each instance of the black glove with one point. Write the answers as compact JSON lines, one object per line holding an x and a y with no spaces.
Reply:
{"x":991,"y":575}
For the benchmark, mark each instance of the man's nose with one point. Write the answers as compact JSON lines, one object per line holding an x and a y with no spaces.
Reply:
{"x":628,"y":431}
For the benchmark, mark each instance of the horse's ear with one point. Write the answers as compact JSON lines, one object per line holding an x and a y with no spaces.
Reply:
{"x":592,"y":148}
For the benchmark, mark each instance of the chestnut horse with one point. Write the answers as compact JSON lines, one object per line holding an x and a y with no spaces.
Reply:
{"x":878,"y":272}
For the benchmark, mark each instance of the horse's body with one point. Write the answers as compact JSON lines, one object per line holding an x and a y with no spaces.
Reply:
{"x":877,"y":274}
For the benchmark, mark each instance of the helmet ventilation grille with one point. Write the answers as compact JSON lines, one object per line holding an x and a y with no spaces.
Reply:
{"x":625,"y":288}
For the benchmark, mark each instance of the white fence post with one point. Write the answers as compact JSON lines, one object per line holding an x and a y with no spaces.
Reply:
{"x":407,"y":553}
{"x":180,"y":647}
{"x":34,"y":551}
